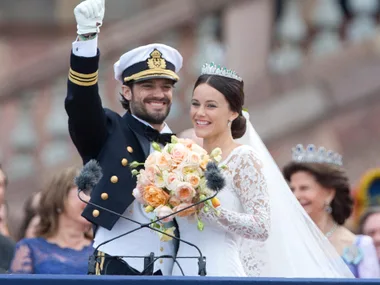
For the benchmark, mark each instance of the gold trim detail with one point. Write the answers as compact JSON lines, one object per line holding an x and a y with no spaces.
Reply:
{"x":83,"y":83}
{"x":152,"y":72}
{"x":156,"y":60}
{"x":84,"y":75}
{"x":99,"y":266}
{"x":82,"y":79}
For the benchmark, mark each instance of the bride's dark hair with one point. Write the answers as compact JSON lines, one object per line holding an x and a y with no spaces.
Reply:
{"x":233,"y":91}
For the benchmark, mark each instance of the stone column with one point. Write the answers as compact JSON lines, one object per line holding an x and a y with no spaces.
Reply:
{"x":247,"y":29}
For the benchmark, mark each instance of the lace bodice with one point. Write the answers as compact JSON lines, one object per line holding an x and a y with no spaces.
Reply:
{"x":244,"y":214}
{"x":249,"y":184}
{"x":38,"y":256}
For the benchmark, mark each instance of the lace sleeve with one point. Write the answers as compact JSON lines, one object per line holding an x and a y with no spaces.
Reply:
{"x":22,"y":260}
{"x":250,"y":185}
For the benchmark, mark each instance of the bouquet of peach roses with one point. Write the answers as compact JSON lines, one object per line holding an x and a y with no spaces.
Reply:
{"x":174,"y":178}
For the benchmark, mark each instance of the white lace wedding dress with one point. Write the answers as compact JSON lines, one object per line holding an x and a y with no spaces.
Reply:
{"x":244,"y":214}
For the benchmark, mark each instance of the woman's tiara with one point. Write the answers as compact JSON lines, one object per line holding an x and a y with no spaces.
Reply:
{"x":213,"y":69}
{"x":313,"y":154}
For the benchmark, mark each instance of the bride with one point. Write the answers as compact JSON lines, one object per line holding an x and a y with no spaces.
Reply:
{"x":260,"y":228}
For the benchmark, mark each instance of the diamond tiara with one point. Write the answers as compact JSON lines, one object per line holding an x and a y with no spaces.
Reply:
{"x":213,"y":69}
{"x":313,"y":154}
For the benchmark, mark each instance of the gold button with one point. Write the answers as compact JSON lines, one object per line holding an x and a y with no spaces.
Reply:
{"x":95,"y":213}
{"x":124,"y":162}
{"x":104,"y":196}
{"x":161,"y":248}
{"x":161,"y":261}
{"x":114,"y":179}
{"x":130,"y":149}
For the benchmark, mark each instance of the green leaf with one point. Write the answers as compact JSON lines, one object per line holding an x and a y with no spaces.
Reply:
{"x":200,"y":225}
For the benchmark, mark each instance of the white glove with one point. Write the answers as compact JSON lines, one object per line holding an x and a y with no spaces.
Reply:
{"x":89,"y":15}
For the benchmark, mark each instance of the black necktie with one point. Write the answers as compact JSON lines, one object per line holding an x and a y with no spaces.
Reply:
{"x":155,"y":136}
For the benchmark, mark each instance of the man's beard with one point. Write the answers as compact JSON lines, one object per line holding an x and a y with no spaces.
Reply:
{"x":154,"y":118}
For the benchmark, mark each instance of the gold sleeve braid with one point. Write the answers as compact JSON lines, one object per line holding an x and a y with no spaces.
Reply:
{"x":82,"y":79}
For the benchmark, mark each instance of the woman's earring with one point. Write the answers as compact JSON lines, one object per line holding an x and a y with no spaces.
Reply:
{"x":328,"y":208}
{"x":229,"y":123}
{"x":59,"y":210}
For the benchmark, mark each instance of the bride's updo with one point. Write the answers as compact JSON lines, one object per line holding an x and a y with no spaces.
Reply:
{"x":233,"y":91}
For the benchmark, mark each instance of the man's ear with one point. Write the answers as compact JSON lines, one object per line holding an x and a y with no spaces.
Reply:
{"x":126,"y":92}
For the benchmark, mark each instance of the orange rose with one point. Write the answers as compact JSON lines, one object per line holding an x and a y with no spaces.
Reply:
{"x":155,"y":196}
{"x":186,"y":212}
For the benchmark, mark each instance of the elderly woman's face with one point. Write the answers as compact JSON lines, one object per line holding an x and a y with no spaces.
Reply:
{"x":312,"y":196}
{"x":371,"y":227}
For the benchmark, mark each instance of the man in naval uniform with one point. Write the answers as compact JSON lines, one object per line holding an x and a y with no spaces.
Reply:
{"x":148,"y":74}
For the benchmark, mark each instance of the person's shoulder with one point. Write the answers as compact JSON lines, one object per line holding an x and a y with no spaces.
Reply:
{"x":364,"y":241}
{"x":32,"y":242}
{"x":246,"y":151}
{"x":245,"y":155}
{"x":6,"y":241}
{"x":112,"y":114}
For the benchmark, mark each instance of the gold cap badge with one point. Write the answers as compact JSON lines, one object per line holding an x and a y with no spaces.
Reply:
{"x":156,"y":60}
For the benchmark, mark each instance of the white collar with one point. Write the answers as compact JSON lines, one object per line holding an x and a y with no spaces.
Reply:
{"x":164,"y":130}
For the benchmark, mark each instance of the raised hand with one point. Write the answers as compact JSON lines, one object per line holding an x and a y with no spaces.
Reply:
{"x":89,"y":15}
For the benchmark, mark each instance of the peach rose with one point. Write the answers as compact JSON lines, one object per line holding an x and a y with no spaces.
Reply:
{"x":174,"y":201}
{"x":143,"y":179}
{"x":178,"y":153}
{"x":155,"y":196}
{"x":152,"y":159}
{"x":186,"y":142}
{"x":163,"y":162}
{"x":162,"y":211}
{"x":193,"y":158}
{"x":198,"y":149}
{"x":171,"y":180}
{"x":138,"y":194}
{"x":151,"y":172}
{"x":186,"y":212}
{"x":184,"y":192}
{"x":194,"y":180}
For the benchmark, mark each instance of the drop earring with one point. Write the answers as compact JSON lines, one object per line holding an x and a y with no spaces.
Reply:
{"x":328,"y":208}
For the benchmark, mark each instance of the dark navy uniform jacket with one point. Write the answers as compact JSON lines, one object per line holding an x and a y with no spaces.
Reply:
{"x":113,"y":140}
